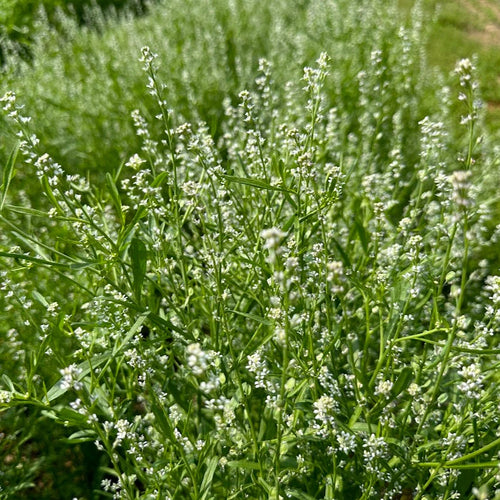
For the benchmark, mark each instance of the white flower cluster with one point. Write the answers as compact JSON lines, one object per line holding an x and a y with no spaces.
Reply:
{"x":493,"y":287}
{"x":461,"y":183}
{"x":147,"y":57}
{"x":472,"y":381}
{"x":5,"y":397}
{"x":272,"y":242}
{"x":384,"y":388}
{"x":324,"y":409}
{"x":70,"y":378}
{"x":464,"y":69}
{"x":346,"y":442}
{"x":335,"y":276}
{"x":135,"y":162}
{"x":198,"y":359}
{"x":374,"y":449}
{"x":258,"y":366}
{"x":314,"y":77}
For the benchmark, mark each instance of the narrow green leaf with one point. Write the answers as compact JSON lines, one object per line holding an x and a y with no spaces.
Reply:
{"x":8,"y":382}
{"x":256,"y":183}
{"x":354,"y":417}
{"x":81,"y":437}
{"x":254,"y":317}
{"x":363,"y":236}
{"x":208,"y":477}
{"x":360,"y":427}
{"x":162,"y":417}
{"x":26,"y":211}
{"x":115,"y":196}
{"x":403,"y":381}
{"x":50,"y":194}
{"x":289,"y":223}
{"x":7,"y":176}
{"x":29,"y":258}
{"x":69,"y":416}
{"x":290,"y":199}
{"x":40,"y":298}
{"x":138,"y":259}
{"x":81,"y":265}
{"x":475,"y":465}
{"x":300,"y":495}
{"x":118,"y":172}
{"x":43,"y":262}
{"x":130,"y":228}
{"x":85,"y":367}
{"x":267,"y":487}
{"x":345,"y":258}
{"x":159,"y":179}
{"x":135,"y":328}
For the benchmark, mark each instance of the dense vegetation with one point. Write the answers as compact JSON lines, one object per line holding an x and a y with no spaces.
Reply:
{"x":461,"y":28}
{"x":20,"y":19}
{"x":247,"y":250}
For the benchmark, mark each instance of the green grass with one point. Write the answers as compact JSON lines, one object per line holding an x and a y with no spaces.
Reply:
{"x":456,"y":34}
{"x":259,"y":262}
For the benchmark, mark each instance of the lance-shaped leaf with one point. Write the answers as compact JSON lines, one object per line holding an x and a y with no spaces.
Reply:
{"x":7,"y":175}
{"x":138,"y":259}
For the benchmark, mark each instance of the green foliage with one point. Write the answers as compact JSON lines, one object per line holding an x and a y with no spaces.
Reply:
{"x":466,"y":29}
{"x":38,"y":462}
{"x":233,"y":276}
{"x":80,"y":93}
{"x":20,"y":19}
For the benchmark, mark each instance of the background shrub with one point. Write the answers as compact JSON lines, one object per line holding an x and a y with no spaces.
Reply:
{"x":84,"y":88}
{"x":20,"y":19}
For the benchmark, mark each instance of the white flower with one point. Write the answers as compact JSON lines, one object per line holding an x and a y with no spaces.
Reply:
{"x":347,"y":442}
{"x":70,"y":377}
{"x":5,"y":397}
{"x":52,"y":307}
{"x":464,"y":66}
{"x":414,"y":389}
{"x":473,"y":381}
{"x":135,"y":162}
{"x":374,"y":448}
{"x":8,"y":101}
{"x":257,"y":365}
{"x":384,"y":388}
{"x":460,"y":180}
{"x":272,"y":242}
{"x":323,"y":409}
{"x":198,"y":360}
{"x":147,"y":55}
{"x":272,"y":238}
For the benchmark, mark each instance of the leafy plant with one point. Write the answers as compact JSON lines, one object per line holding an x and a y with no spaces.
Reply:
{"x":297,"y":303}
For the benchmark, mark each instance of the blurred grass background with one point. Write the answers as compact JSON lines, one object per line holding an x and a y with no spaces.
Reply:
{"x":80,"y":83}
{"x":466,"y":28}
{"x":79,"y":78}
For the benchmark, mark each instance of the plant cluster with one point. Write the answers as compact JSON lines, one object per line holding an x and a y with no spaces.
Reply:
{"x":80,"y":87}
{"x":301,"y":305}
{"x":20,"y":20}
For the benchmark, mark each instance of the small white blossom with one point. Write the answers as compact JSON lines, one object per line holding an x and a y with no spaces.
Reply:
{"x":70,"y":377}
{"x":461,"y":183}
{"x":5,"y":397}
{"x":374,"y":449}
{"x":198,"y":360}
{"x":384,"y":388}
{"x":135,"y":162}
